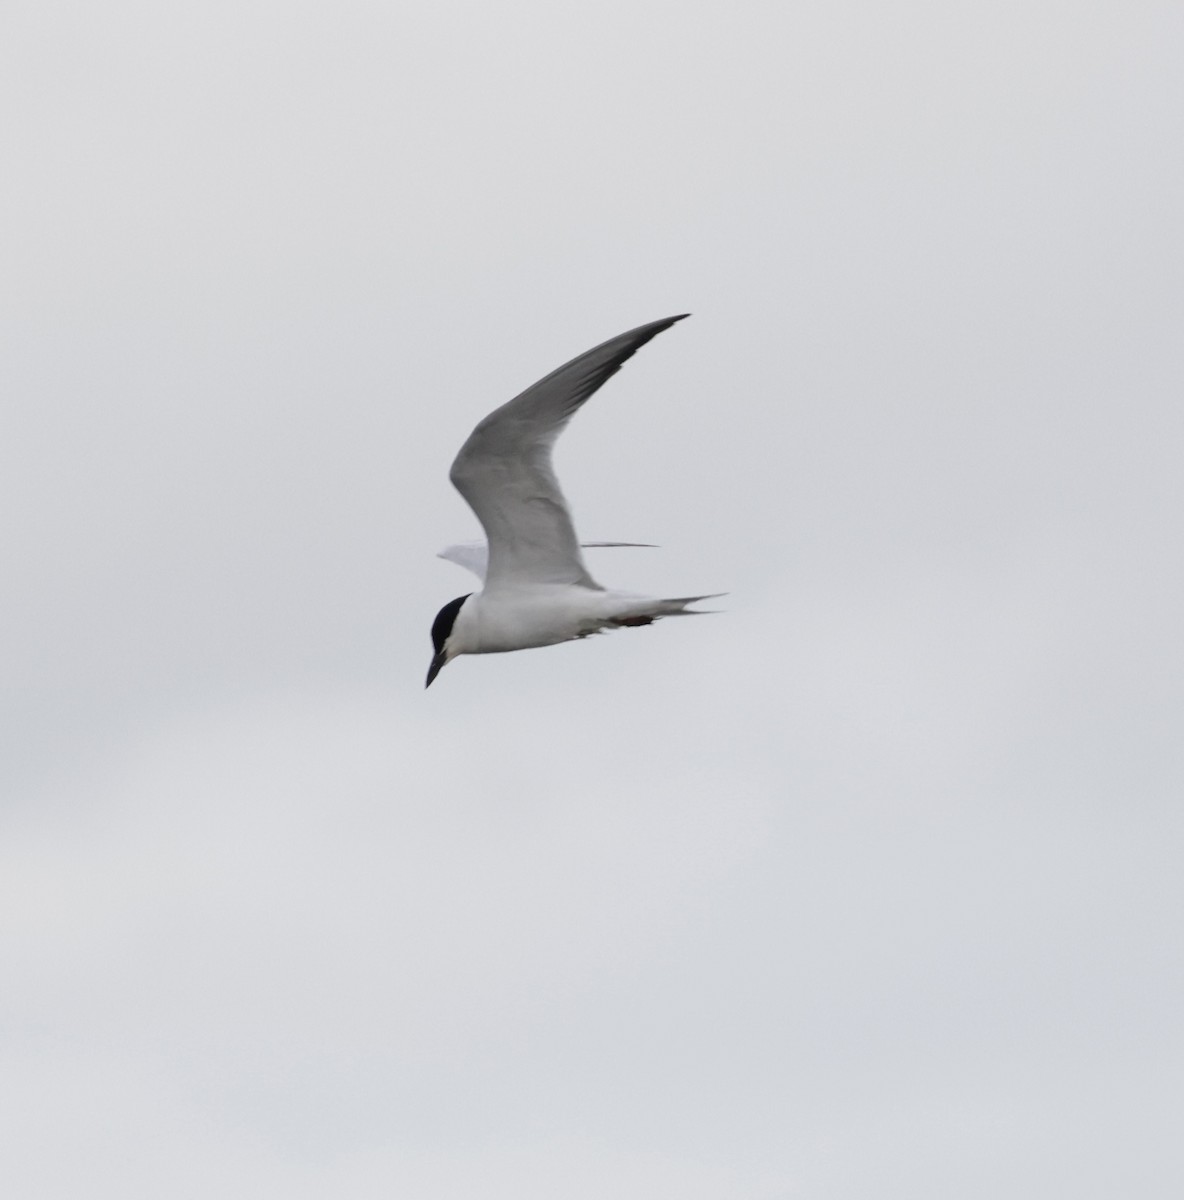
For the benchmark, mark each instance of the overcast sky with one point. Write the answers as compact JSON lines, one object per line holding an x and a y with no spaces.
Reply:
{"x":870,"y":886}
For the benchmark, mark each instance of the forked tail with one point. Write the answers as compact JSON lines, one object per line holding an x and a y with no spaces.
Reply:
{"x":646,"y":612}
{"x":678,"y":607}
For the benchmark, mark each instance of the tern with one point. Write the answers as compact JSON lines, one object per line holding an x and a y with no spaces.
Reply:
{"x":537,"y":589}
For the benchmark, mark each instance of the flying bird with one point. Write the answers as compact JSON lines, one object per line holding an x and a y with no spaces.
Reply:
{"x":537,"y":589}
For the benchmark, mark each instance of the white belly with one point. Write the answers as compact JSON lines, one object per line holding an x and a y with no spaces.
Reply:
{"x":539,"y":616}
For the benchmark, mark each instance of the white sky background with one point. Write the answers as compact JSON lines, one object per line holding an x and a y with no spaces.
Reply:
{"x":869,"y":887}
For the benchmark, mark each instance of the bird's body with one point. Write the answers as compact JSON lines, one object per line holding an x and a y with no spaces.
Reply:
{"x":538,"y":590}
{"x":546,"y":614}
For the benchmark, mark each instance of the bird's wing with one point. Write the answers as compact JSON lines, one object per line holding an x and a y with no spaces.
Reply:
{"x":504,"y":469}
{"x":474,"y":556}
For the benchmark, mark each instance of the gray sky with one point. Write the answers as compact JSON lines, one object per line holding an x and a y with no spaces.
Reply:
{"x":869,"y":887}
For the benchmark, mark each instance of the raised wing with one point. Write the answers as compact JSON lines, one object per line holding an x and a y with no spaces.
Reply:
{"x":504,"y":469}
{"x":474,"y":556}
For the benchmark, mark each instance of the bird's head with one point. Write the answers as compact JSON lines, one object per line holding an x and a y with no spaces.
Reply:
{"x":441,"y":633}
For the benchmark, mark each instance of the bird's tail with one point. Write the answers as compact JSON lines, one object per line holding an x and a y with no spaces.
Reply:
{"x":678,"y":607}
{"x":644,"y":611}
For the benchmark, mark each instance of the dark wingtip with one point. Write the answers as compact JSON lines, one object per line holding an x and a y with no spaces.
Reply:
{"x":636,"y":338}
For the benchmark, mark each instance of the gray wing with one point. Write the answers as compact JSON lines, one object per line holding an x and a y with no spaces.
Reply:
{"x":474,"y":556}
{"x":504,"y":469}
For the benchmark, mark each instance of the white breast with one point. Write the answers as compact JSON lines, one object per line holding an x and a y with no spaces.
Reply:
{"x":542,"y":615}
